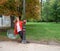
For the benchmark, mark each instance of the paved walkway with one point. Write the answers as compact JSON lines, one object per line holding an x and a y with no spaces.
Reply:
{"x":14,"y":46}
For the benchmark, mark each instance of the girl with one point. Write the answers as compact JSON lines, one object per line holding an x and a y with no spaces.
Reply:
{"x":18,"y":27}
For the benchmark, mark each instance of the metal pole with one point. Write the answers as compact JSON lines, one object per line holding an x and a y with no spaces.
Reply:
{"x":24,"y":26}
{"x":23,"y":9}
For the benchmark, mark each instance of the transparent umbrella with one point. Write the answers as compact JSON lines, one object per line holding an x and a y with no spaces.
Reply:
{"x":10,"y":34}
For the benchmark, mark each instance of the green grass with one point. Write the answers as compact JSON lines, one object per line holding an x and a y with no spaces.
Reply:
{"x":41,"y":31}
{"x":45,"y":31}
{"x":3,"y":34}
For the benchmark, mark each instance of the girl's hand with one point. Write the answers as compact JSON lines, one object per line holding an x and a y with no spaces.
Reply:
{"x":24,"y":21}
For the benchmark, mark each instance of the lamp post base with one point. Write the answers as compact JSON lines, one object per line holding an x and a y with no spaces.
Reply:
{"x":24,"y":41}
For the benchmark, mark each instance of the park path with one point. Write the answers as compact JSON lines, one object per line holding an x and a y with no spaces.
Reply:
{"x":15,"y":46}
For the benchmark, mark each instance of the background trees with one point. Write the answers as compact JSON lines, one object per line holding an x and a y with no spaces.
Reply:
{"x":51,"y":10}
{"x":33,"y":9}
{"x":11,"y":7}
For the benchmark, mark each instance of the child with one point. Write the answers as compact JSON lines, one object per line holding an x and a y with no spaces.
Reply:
{"x":18,"y":27}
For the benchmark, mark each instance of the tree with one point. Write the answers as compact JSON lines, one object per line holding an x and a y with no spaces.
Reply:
{"x":9,"y":7}
{"x":33,"y":9}
{"x":56,"y":10}
{"x":51,"y":11}
{"x":46,"y":10}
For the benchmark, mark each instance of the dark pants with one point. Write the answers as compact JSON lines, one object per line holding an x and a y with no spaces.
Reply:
{"x":21,"y":34}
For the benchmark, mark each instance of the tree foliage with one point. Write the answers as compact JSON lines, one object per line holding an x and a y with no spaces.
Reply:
{"x":15,"y":7}
{"x":51,"y":10}
{"x":33,"y":9}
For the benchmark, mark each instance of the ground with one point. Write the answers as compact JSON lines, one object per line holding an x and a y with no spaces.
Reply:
{"x":15,"y":46}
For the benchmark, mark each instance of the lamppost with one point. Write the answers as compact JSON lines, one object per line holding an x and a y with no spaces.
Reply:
{"x":24,"y":25}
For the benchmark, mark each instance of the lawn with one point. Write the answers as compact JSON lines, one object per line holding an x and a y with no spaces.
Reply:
{"x":41,"y":31}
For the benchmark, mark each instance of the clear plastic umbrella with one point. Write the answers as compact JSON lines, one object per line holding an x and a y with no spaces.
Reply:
{"x":10,"y":34}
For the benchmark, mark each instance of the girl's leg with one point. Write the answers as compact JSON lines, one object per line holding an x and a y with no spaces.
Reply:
{"x":21,"y":35}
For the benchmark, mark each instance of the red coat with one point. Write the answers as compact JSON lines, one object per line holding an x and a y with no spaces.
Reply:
{"x":15,"y":27}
